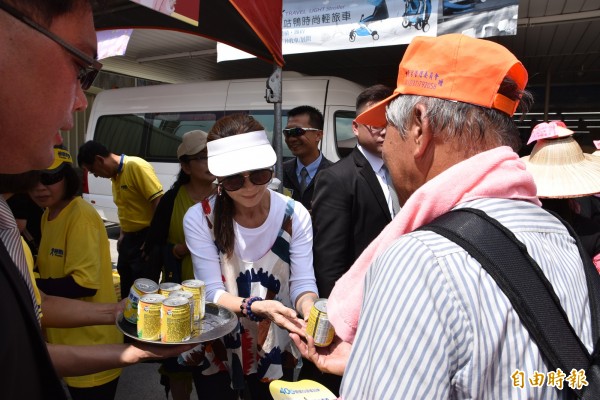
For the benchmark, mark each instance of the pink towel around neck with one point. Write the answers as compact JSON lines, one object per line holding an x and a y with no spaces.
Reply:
{"x":496,"y":173}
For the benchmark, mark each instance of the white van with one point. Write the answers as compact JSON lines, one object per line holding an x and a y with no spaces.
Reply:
{"x":149,"y":121}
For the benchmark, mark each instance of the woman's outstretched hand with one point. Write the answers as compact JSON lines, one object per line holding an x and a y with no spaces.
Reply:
{"x":282,"y":316}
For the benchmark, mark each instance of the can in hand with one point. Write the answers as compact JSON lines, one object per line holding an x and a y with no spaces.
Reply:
{"x":318,"y":325}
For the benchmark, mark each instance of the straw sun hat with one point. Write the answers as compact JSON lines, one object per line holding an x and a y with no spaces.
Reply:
{"x":597,"y":145}
{"x":560,"y":168}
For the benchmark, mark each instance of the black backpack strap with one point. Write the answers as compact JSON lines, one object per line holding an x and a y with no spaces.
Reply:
{"x":592,"y":278}
{"x":506,"y":259}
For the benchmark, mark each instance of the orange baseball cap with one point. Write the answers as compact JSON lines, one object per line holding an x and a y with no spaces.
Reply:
{"x":454,"y":67}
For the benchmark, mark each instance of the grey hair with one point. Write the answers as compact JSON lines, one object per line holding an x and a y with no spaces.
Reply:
{"x":473,"y":128}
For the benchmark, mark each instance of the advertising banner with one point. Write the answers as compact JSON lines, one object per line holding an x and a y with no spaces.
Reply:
{"x":323,"y":25}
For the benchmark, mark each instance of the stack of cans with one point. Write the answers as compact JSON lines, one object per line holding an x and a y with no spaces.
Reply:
{"x":165,"y":312}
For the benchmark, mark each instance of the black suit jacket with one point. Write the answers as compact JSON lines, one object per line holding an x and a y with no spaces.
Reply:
{"x":29,"y":373}
{"x":290,"y":181}
{"x":349,"y":211}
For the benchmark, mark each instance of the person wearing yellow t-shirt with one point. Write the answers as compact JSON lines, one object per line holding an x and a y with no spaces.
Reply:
{"x":74,"y":262}
{"x":136,"y":192}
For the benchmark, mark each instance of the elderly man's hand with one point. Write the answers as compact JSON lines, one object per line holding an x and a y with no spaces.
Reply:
{"x":331,"y":359}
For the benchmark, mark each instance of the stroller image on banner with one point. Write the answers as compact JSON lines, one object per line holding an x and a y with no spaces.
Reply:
{"x":416,"y":13}
{"x":379,"y":13}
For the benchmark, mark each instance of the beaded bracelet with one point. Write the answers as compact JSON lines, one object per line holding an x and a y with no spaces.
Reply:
{"x":251,"y":316}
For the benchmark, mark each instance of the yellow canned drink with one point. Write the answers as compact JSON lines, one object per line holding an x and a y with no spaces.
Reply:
{"x":175,"y":320}
{"x":139,"y":288}
{"x":190,"y":297}
{"x":318,"y":325}
{"x":117,"y":283}
{"x":166,"y":288}
{"x":148,"y":324}
{"x":197,"y":287}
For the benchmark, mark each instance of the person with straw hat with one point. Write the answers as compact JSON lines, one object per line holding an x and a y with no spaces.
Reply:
{"x":563,"y":172}
{"x":559,"y":166}
{"x":589,"y":206}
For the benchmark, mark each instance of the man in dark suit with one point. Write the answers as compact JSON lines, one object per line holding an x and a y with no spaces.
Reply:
{"x":352,"y":204}
{"x":303,"y":133}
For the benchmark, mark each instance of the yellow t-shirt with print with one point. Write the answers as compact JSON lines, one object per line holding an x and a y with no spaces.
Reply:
{"x":134,"y":188}
{"x":75,"y":243}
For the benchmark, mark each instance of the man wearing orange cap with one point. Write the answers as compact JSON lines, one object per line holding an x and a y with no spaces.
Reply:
{"x":433,"y":324}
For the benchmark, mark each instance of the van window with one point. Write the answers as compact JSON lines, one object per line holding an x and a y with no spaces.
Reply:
{"x":266,"y":119}
{"x":152,"y":136}
{"x":156,"y":136}
{"x":169,"y":128}
{"x":345,"y":140}
{"x":121,"y":134}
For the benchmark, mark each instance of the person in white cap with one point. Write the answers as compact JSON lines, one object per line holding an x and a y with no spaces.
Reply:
{"x":165,"y":243}
{"x":253,"y":250}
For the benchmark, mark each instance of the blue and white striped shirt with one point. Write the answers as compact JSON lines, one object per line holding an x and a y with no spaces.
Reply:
{"x":434,"y":324}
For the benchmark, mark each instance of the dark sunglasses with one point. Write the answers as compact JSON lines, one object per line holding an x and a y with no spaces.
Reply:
{"x":197,"y":158}
{"x":257,"y":177}
{"x":51,"y":179}
{"x":88,"y":67}
{"x":297,"y":132}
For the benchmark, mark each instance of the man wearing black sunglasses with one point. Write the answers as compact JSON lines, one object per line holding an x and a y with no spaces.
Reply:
{"x":303,"y":133}
{"x":47,"y":59}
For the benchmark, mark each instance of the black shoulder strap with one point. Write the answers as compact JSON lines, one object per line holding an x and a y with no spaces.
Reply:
{"x":592,"y":278}
{"x":506,"y":259}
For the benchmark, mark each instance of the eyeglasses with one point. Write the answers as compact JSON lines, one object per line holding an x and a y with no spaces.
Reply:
{"x":50,"y":179}
{"x":297,"y":132}
{"x":374,"y":130}
{"x":257,"y":177}
{"x":89,"y":68}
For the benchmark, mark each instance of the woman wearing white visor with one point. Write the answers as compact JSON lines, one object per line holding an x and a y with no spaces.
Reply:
{"x":253,"y":250}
